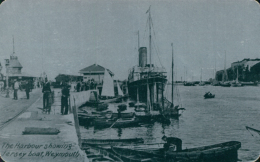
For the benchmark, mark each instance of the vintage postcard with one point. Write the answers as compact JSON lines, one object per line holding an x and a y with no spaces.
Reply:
{"x":131,"y":80}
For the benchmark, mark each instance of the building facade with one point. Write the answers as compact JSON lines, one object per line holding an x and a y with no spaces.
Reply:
{"x":13,"y":66}
{"x":95,"y":72}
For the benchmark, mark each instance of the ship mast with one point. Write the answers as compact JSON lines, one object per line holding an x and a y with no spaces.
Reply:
{"x":150,"y":47}
{"x":13,"y":46}
{"x":201,"y":75}
{"x":172,"y":73}
{"x":150,"y":39}
{"x":138,"y":40}
{"x":224,"y":76}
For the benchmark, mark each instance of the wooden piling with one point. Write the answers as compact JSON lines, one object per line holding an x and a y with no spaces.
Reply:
{"x":76,"y":121}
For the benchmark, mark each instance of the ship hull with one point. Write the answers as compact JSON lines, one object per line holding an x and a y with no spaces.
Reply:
{"x":156,"y":87}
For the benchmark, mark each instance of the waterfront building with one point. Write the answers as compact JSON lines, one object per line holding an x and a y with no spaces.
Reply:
{"x":244,"y":69}
{"x":14,"y":71}
{"x":95,"y":72}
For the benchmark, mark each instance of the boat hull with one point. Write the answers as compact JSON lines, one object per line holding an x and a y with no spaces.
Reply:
{"x":249,"y":83}
{"x":120,"y":123}
{"x":134,"y":156}
{"x":209,"y":96}
{"x":140,"y":87}
{"x":99,"y":154}
{"x":124,"y":115}
{"x":224,"y":84}
{"x":217,"y":152}
{"x":111,"y":142}
{"x":236,"y":85}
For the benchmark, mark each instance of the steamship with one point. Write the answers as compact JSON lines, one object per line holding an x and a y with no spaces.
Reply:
{"x":146,"y":82}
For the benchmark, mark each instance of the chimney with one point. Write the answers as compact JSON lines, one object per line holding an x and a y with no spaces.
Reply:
{"x":142,"y":56}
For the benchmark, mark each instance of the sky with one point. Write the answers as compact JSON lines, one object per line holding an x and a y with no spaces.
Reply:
{"x":65,"y":36}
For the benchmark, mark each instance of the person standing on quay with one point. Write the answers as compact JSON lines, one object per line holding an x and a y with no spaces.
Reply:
{"x":46,"y":90}
{"x":27,"y":90}
{"x":16,"y":87}
{"x":65,"y":93}
{"x":78,"y":86}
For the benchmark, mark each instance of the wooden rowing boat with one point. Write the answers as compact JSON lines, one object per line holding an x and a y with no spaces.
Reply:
{"x":124,"y":115}
{"x":99,"y":154}
{"x":217,"y":152}
{"x":134,"y":155}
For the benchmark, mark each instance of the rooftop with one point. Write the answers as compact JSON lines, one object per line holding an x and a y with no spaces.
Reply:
{"x":94,"y":69}
{"x":14,"y":62}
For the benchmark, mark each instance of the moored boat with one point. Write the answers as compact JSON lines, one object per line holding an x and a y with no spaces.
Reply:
{"x":131,"y":104}
{"x":122,"y":107}
{"x":99,"y":154}
{"x":225,"y":82}
{"x":107,"y":143}
{"x":215,"y":83}
{"x":249,"y":83}
{"x":124,"y":115}
{"x":201,"y":82}
{"x":236,"y":83}
{"x":102,"y":107}
{"x":189,"y":84}
{"x":116,"y":123}
{"x":146,"y":81}
{"x":134,"y":156}
{"x":217,"y":152}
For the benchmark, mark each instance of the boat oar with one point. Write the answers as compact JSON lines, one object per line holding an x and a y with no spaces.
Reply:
{"x":113,"y":123}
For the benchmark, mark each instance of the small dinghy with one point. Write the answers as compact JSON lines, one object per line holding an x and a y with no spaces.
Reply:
{"x":209,"y":95}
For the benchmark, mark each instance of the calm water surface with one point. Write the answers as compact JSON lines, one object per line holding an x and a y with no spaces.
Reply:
{"x":204,"y":122}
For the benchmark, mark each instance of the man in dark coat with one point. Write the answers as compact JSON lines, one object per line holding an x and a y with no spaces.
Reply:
{"x":27,"y":90}
{"x":78,"y":87}
{"x":65,"y":93}
{"x":46,"y":90}
{"x":171,"y":141}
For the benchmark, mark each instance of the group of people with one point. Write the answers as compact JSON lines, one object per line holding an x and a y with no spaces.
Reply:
{"x":65,"y":94}
{"x":17,"y":86}
{"x":84,"y":86}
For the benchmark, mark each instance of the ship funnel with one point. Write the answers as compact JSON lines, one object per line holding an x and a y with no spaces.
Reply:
{"x":142,"y":56}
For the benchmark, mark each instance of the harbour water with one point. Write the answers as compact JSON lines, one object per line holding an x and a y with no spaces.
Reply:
{"x":204,"y":122}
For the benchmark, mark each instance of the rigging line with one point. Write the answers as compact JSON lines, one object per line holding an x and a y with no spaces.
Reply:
{"x":146,"y":26}
{"x":153,"y":28}
{"x":157,"y":53}
{"x":156,"y":47}
{"x":154,"y":35}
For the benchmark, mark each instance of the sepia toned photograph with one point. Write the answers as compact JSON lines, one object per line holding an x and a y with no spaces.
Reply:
{"x":129,"y":80}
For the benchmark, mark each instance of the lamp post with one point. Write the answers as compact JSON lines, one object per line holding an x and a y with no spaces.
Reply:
{"x":7,"y":73}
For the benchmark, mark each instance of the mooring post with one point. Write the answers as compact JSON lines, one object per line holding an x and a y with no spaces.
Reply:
{"x":76,"y":121}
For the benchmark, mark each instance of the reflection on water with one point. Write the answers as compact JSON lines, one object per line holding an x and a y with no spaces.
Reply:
{"x":205,"y":121}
